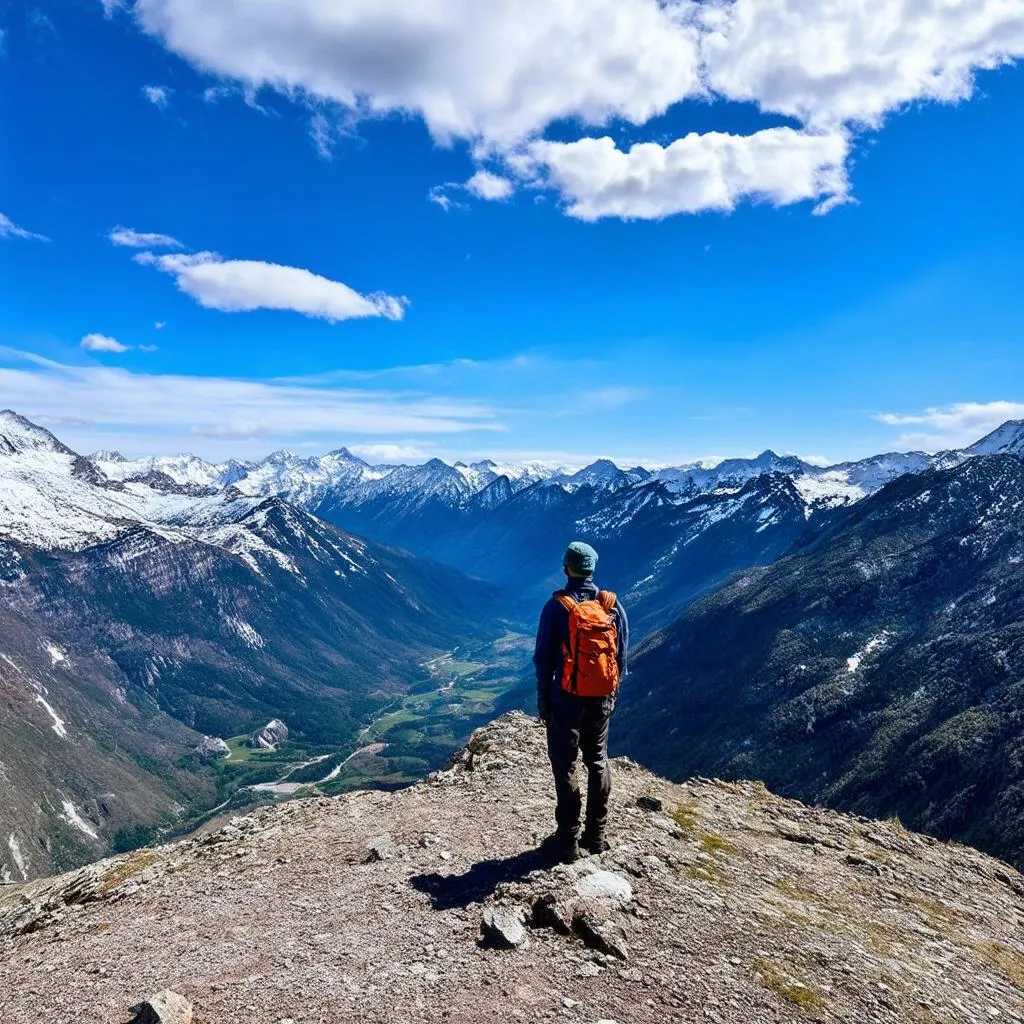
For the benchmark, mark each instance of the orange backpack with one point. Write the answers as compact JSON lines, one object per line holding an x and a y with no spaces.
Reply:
{"x":590,"y":664}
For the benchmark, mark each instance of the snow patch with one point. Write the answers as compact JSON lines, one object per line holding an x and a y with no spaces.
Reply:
{"x":55,"y":653}
{"x":19,"y":858}
{"x":853,"y":663}
{"x":58,"y":722}
{"x":246,"y":632}
{"x":72,"y":817}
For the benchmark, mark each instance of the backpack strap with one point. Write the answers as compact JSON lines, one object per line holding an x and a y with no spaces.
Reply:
{"x":567,"y":601}
{"x":608,"y":600}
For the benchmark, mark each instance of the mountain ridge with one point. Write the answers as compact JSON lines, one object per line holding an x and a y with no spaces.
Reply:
{"x":717,"y":901}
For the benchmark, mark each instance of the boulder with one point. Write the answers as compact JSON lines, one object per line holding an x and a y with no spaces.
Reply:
{"x":213,"y":747}
{"x":165,"y":1007}
{"x":605,"y":885}
{"x":267,"y":738}
{"x":503,"y":927}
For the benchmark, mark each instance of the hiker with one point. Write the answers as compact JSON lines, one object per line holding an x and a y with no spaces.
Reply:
{"x":580,"y":658}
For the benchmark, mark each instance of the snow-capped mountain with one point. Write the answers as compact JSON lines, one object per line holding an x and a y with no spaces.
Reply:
{"x":138,"y":614}
{"x":879,"y":668}
{"x":501,"y":521}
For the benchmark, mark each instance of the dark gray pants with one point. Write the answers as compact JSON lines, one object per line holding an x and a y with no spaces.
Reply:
{"x":579,"y":725}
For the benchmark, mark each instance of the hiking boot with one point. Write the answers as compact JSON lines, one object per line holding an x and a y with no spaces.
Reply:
{"x":562,"y":848}
{"x":594,"y":842}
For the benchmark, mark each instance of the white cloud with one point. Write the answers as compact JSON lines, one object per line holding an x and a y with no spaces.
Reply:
{"x":159,"y":325}
{"x":110,"y":6}
{"x":486,"y":185}
{"x":8,"y":229}
{"x":235,"y":286}
{"x":953,"y":426}
{"x":322,"y":133}
{"x":499,"y":74}
{"x":158,"y":95}
{"x":143,"y":239}
{"x":102,"y":343}
{"x":830,"y":62}
{"x":104,"y":406}
{"x":392,"y":454}
{"x":499,"y":71}
{"x":699,"y":172}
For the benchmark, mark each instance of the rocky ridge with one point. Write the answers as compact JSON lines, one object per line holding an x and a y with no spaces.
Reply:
{"x":718,"y":902}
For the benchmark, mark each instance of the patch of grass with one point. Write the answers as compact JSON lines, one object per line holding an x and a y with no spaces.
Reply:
{"x":795,"y":992}
{"x":882,"y":938}
{"x":715,"y":845}
{"x":132,"y":865}
{"x":1007,"y":960}
{"x":686,"y":814}
{"x":938,"y":916}
{"x":710,"y":874}
{"x":796,"y":892}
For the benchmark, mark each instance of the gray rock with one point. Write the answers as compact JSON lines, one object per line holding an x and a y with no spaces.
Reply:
{"x":213,"y":746}
{"x":603,"y":936}
{"x":267,"y":738}
{"x":381,"y":848}
{"x":165,"y":1007}
{"x":503,"y":927}
{"x":650,"y":803}
{"x":605,"y":885}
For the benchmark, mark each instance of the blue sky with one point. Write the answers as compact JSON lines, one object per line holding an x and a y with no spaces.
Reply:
{"x":518,"y":232}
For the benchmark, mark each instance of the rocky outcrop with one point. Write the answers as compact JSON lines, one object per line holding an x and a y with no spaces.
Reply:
{"x":213,"y":747}
{"x":717,"y":902}
{"x":267,"y":738}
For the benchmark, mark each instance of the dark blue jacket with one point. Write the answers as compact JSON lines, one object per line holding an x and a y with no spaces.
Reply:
{"x":553,"y":634}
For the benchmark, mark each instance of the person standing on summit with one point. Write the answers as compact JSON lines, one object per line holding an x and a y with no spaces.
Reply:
{"x":580,"y":659}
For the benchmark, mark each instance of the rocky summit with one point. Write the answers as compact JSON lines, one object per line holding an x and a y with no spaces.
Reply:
{"x":717,"y":902}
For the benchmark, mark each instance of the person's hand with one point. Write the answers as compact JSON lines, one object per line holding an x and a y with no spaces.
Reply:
{"x":543,"y":705}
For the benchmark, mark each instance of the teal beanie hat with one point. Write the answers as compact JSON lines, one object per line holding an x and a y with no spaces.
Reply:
{"x":580,"y":559}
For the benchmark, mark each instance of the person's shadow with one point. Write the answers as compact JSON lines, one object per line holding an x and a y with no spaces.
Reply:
{"x":474,"y":886}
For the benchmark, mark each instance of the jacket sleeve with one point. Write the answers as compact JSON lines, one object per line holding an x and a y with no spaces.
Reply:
{"x":545,"y":652}
{"x":623,"y":639}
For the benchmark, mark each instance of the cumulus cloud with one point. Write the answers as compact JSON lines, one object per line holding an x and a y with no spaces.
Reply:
{"x":133,"y":239}
{"x":699,"y":172}
{"x":104,"y":406}
{"x":953,"y":426}
{"x":158,"y":95}
{"x":8,"y":229}
{"x":486,"y":185}
{"x":235,"y":286}
{"x":500,"y":71}
{"x":830,"y":62}
{"x":500,"y":74}
{"x":102,"y":343}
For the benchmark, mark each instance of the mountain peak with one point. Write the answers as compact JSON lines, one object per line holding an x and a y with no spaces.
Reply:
{"x":1005,"y":439}
{"x":18,"y":435}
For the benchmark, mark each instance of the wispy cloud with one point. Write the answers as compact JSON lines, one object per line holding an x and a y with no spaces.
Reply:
{"x":322,"y":136}
{"x":952,"y":426}
{"x":235,"y":286}
{"x":110,"y":6}
{"x":104,"y":406}
{"x":158,"y":95}
{"x":8,"y":229}
{"x":132,"y":239}
{"x":104,"y":343}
